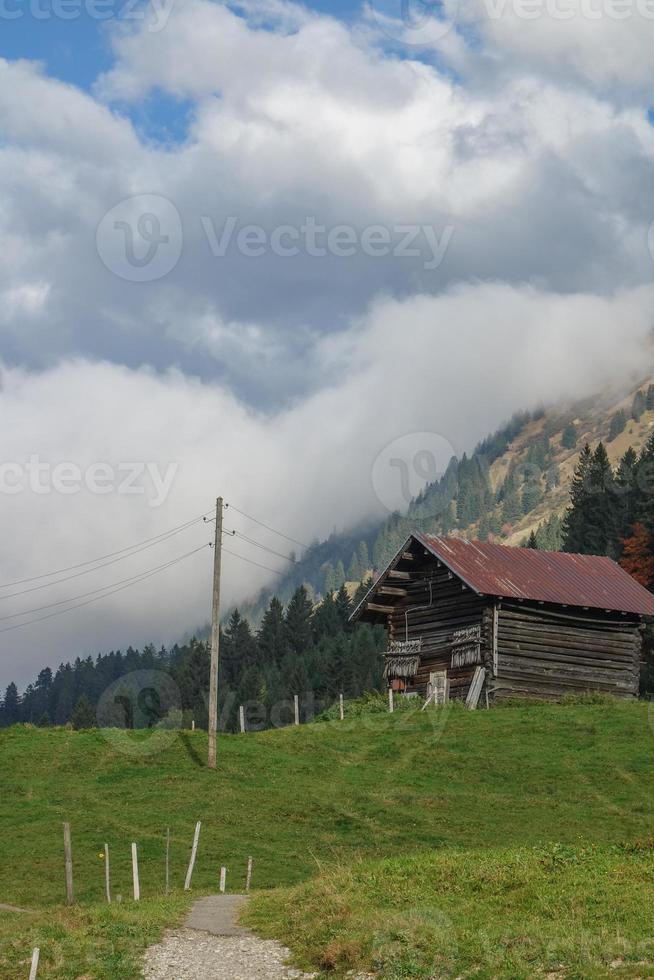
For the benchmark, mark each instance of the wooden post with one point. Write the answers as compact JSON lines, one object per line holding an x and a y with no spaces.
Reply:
{"x":193,"y":725}
{"x":68,"y":851}
{"x":391,"y":705}
{"x":241,"y":715}
{"x":35,"y":963}
{"x":215,"y":635}
{"x":135,"y":873}
{"x":167,"y":860}
{"x":194,"y":851}
{"x":296,"y":705}
{"x":223,"y":879}
{"x":340,"y":706}
{"x":107,"y":878}
{"x":248,"y":879}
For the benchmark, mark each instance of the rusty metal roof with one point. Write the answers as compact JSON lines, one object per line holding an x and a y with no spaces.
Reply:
{"x":542,"y":576}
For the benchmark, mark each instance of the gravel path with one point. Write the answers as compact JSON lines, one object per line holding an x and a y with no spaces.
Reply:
{"x":213,"y":946}
{"x":186,"y":954}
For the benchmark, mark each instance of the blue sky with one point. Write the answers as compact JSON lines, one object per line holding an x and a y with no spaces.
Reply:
{"x":487,"y":244}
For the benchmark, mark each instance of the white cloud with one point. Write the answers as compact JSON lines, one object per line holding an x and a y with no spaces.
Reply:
{"x":456,"y":365}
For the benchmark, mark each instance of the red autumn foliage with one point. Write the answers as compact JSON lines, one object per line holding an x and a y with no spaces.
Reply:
{"x":638,"y":555}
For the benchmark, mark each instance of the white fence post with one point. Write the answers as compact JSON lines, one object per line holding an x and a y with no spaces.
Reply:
{"x":296,"y":704}
{"x":223,"y":878}
{"x":135,"y":873}
{"x":248,"y":880}
{"x":107,"y":878}
{"x":391,"y":705}
{"x":241,"y":715}
{"x":340,"y":706}
{"x":194,"y":851}
{"x":35,"y":963}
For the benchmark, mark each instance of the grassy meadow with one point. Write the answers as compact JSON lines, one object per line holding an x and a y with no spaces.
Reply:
{"x":426,"y":815}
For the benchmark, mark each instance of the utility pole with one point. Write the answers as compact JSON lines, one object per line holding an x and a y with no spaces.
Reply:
{"x":215,"y":635}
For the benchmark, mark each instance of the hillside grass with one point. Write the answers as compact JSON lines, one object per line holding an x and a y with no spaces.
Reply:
{"x":557,"y":911}
{"x":300,"y":801}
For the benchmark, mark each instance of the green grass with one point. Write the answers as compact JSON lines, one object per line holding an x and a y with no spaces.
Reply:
{"x":299,"y":800}
{"x":520,"y":913}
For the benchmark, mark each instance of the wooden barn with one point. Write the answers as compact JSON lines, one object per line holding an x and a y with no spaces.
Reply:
{"x":471,"y":619}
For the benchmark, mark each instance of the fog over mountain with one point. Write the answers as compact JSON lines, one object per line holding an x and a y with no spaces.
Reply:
{"x":363,"y":239}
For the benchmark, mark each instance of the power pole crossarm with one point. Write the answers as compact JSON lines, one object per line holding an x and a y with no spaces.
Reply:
{"x":215,"y":635}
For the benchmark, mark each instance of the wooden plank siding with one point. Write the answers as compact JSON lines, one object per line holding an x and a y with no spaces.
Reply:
{"x":547,"y":652}
{"x":454,"y":607}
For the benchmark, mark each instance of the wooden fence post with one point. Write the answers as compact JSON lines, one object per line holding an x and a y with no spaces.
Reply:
{"x":223,"y":878}
{"x":296,"y":705}
{"x":241,"y":715}
{"x":193,"y":726}
{"x":194,"y":851}
{"x":35,"y":963}
{"x":340,"y":706}
{"x":167,"y":860}
{"x":68,"y":851}
{"x":248,"y":880}
{"x":391,"y":705}
{"x":135,"y":873}
{"x":107,"y":878}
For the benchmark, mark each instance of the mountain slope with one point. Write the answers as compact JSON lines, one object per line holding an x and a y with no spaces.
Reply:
{"x":516,"y":481}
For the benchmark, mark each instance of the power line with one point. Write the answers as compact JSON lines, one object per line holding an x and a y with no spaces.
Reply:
{"x":84,"y":595}
{"x":112,"y":554}
{"x":250,"y":561}
{"x":257,"y":544}
{"x":135,"y":550}
{"x":267,"y":526}
{"x":60,"y":612}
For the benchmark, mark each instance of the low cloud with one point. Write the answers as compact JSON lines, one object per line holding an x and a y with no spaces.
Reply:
{"x":454,"y":365}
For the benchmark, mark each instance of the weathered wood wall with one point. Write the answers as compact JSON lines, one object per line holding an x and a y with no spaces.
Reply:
{"x":547,"y":652}
{"x":454,"y":607}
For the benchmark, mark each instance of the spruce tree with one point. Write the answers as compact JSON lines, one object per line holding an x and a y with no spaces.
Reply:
{"x":298,"y":622}
{"x":618,"y":423}
{"x":343,"y":608}
{"x":354,"y":572}
{"x":273,"y":635}
{"x":532,"y":542}
{"x":569,"y":436}
{"x":339,"y":573}
{"x":364,"y":557}
{"x":575,"y":522}
{"x":639,"y":405}
{"x":10,"y":714}
{"x":83,"y":715}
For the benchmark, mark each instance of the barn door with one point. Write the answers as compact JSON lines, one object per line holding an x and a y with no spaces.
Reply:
{"x":439,"y":687}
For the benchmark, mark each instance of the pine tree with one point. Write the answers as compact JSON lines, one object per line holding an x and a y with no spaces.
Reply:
{"x":618,"y":423}
{"x":330,"y":578}
{"x":83,"y":715}
{"x":639,"y":405}
{"x":532,"y":493}
{"x":343,"y":608}
{"x":364,"y":557}
{"x":569,"y":436}
{"x":273,"y":635}
{"x":10,"y":714}
{"x":298,"y":622}
{"x":339,"y":573}
{"x":626,"y":492}
{"x":532,"y":542}
{"x":354,"y":572}
{"x":576,"y":518}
